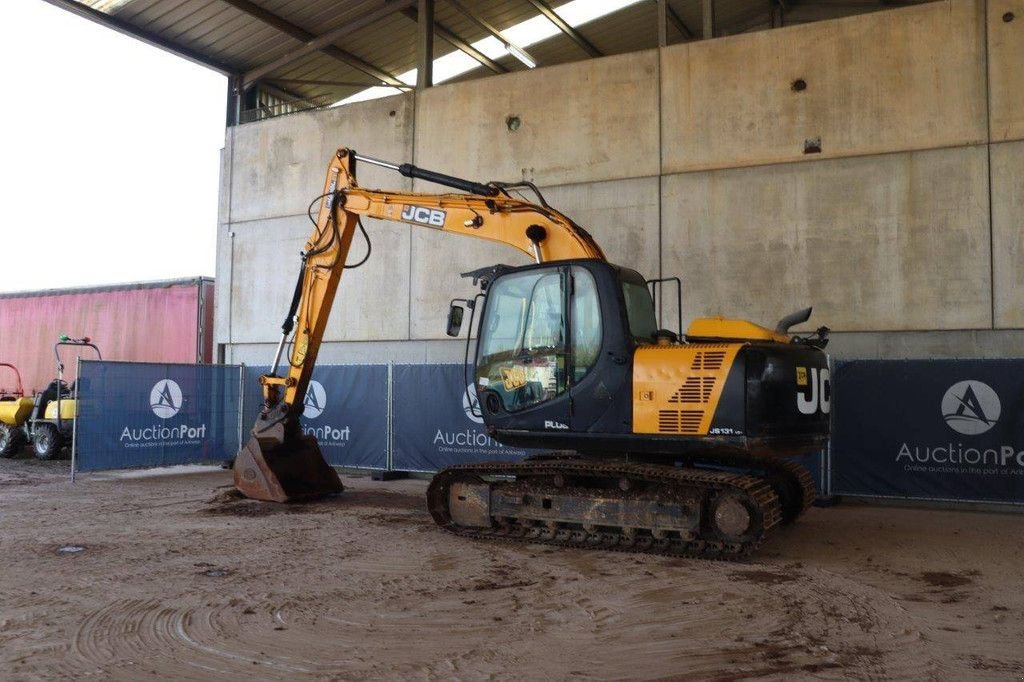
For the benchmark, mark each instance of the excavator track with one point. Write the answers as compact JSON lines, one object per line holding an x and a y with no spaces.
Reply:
{"x":792,"y":483}
{"x":608,"y":504}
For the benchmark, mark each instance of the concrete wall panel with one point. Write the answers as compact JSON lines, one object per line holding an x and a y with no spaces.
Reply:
{"x":904,"y":79}
{"x":587,"y":121}
{"x":1008,"y":233}
{"x":437,"y":261}
{"x":622,"y":216}
{"x":891,"y":242}
{"x":927,"y":345}
{"x":372,"y":301}
{"x":280,"y":164}
{"x":1006,"y":69}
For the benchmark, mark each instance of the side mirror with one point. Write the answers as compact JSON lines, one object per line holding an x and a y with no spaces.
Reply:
{"x":455,"y":313}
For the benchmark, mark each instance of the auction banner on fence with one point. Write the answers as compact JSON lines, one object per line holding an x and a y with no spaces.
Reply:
{"x":155,"y":414}
{"x":436,"y":420}
{"x":345,"y":408}
{"x":930,"y":429}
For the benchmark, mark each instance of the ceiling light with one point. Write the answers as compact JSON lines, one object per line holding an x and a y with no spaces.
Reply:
{"x":520,"y":54}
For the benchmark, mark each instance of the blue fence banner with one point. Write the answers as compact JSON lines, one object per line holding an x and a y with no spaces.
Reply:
{"x":345,"y":409}
{"x":929,"y":429}
{"x":436,"y":424}
{"x":144,"y":415}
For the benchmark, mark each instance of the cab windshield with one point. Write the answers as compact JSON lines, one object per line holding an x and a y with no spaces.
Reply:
{"x":524,"y":346}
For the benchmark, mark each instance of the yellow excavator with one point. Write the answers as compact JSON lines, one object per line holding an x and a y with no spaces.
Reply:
{"x":657,"y":443}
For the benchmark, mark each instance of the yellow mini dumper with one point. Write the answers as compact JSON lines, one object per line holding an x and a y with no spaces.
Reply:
{"x":48,"y":419}
{"x":15,"y":408}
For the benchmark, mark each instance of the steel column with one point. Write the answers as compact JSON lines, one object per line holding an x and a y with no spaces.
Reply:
{"x":450,"y":36}
{"x":425,"y":44}
{"x":662,"y":23}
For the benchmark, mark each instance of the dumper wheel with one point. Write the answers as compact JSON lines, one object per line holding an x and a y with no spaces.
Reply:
{"x":46,"y":442}
{"x":12,"y":439}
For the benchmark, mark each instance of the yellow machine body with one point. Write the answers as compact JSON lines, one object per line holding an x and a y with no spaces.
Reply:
{"x":68,"y":409}
{"x":676,"y":389}
{"x":15,"y":412}
{"x":725,"y":328}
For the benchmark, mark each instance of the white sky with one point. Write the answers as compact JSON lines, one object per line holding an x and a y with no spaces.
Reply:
{"x":109,"y":155}
{"x":110,"y":148}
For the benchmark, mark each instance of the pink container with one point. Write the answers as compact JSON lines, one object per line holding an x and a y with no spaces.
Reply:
{"x":166,"y":321}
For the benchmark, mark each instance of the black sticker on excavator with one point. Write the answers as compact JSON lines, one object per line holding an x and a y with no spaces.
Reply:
{"x":431,"y":217}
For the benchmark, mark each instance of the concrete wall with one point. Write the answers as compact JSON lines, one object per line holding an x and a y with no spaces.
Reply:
{"x":904,"y":230}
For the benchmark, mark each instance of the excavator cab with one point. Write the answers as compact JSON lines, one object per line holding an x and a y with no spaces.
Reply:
{"x":546,"y":330}
{"x":570,"y":356}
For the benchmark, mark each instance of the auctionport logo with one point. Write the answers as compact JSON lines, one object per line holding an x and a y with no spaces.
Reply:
{"x":469,"y":440}
{"x":166,"y":401}
{"x":970,"y":407}
{"x":315,"y":402}
{"x":165,"y":398}
{"x":471,"y":405}
{"x":314,"y":405}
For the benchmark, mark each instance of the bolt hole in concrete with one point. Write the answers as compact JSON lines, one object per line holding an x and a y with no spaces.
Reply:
{"x":1008,"y":17}
{"x":513,"y":123}
{"x":799,"y":85}
{"x":392,"y":113}
{"x":812,"y":145}
{"x":71,"y":549}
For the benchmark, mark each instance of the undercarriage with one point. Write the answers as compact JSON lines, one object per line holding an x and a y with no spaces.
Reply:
{"x":620,"y":505}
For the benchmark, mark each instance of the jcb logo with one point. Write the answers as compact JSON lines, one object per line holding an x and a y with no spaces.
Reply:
{"x":820,"y":389}
{"x":425,"y":216}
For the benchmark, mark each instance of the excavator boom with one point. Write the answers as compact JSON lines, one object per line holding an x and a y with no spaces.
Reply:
{"x":279,"y":463}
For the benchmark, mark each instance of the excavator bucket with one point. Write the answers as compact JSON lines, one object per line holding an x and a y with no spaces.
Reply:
{"x":287,"y":472}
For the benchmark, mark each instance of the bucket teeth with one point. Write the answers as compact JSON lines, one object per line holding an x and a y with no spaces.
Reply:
{"x":293,"y":470}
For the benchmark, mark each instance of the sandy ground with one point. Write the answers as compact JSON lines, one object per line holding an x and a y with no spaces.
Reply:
{"x":172,"y":585}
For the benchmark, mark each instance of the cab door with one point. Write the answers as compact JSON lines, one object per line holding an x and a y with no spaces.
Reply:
{"x":523,"y":361}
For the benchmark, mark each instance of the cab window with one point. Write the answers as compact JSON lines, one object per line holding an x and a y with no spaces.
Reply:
{"x":640,"y":311}
{"x":524,"y":349}
{"x":586,"y":323}
{"x":522,"y":352}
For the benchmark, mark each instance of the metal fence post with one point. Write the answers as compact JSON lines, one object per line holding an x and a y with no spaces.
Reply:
{"x":78,"y":415}
{"x":390,"y":455}
{"x":241,"y":403}
{"x":827,"y":469}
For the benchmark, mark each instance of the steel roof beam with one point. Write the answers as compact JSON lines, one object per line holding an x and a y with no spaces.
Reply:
{"x":683,"y":29}
{"x":565,"y":28}
{"x":514,"y":50}
{"x":321,"y":43}
{"x":457,"y":42}
{"x":122,"y":26}
{"x":332,"y":83}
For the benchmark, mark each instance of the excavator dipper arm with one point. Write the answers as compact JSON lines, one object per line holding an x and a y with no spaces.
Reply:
{"x":279,"y":463}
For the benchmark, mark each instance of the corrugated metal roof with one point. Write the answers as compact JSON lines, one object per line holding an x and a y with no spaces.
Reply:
{"x":102,"y":288}
{"x":238,"y":36}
